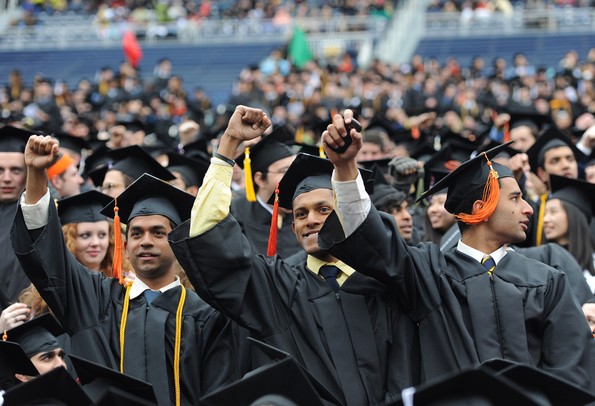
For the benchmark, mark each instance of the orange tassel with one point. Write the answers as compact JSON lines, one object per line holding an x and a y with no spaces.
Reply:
{"x":490,"y":197}
{"x":415,"y":132}
{"x":321,"y":153}
{"x":248,"y":181}
{"x":4,"y":336}
{"x":507,"y":132}
{"x":117,"y":262}
{"x":272,"y":247}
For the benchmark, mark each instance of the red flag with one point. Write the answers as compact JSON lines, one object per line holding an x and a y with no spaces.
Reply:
{"x":132,"y":49}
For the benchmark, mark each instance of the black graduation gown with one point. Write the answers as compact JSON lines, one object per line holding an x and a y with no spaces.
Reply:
{"x":12,"y":278}
{"x":89,"y":307}
{"x":525,"y":312}
{"x":342,"y":341}
{"x":255,"y":222}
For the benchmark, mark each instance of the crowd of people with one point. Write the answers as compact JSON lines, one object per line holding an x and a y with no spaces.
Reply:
{"x":430,"y":246}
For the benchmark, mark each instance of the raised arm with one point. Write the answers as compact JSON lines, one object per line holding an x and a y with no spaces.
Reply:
{"x":41,"y":152}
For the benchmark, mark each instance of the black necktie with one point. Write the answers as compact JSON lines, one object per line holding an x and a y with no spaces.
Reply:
{"x":489,"y":264}
{"x":150,"y":295}
{"x":330,"y":272}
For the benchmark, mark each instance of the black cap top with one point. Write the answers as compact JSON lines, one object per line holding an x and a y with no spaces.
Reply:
{"x":269,"y":150}
{"x":439,"y":165}
{"x":133,"y":161}
{"x":284,"y":376}
{"x":532,"y":119}
{"x":551,"y":138}
{"x":383,"y":192}
{"x":507,"y":152}
{"x":467,"y":178}
{"x":97,"y":159}
{"x":192,"y":170}
{"x":83,"y":208}
{"x":542,"y":384}
{"x":54,"y":388}
{"x":13,"y":139}
{"x":76,"y":144}
{"x":97,"y":379}
{"x":197,"y":149}
{"x":149,"y":195}
{"x":577,"y":192}
{"x":475,"y":387}
{"x":37,"y":335}
{"x":14,"y":361}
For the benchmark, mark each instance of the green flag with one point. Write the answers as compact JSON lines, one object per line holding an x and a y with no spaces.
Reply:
{"x":299,"y":52}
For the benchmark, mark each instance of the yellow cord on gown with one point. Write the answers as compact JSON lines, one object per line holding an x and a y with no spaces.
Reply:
{"x":177,"y":343}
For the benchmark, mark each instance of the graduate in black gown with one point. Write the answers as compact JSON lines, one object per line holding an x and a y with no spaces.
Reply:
{"x":339,"y":329}
{"x":468,"y":312}
{"x":154,"y":329}
{"x":269,"y":160}
{"x":12,"y":182}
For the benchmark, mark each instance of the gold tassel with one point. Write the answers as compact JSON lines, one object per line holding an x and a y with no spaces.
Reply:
{"x":249,"y":182}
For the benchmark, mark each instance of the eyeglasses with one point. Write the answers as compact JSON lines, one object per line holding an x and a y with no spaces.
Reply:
{"x":109,"y":186}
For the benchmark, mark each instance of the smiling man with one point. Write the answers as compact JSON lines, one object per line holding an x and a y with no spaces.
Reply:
{"x":154,"y":329}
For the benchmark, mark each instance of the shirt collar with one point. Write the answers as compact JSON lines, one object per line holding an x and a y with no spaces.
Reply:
{"x":138,"y":287}
{"x":264,"y":204}
{"x":478,"y":255}
{"x":314,"y":264}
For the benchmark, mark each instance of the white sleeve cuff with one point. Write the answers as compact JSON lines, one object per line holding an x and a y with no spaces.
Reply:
{"x":36,"y":215}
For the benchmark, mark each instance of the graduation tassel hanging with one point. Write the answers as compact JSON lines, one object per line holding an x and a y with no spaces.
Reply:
{"x":490,"y":197}
{"x":507,"y":132}
{"x":250,"y":194}
{"x":415,"y":132}
{"x":272,"y":247}
{"x":321,"y":151}
{"x":178,"y":345}
{"x":117,"y":261}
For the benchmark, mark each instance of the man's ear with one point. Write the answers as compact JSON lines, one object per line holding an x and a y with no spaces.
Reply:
{"x":56,"y":181}
{"x":22,"y":378}
{"x":258,"y":180}
{"x":477,"y":205}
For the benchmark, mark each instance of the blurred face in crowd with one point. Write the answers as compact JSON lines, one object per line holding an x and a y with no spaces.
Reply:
{"x":113,"y":183}
{"x":555,"y":222}
{"x":439,"y":218}
{"x":13,"y":174}
{"x":403,"y":218}
{"x":91,"y":243}
{"x":370,"y":151}
{"x":45,"y":362}
{"x":268,"y":182}
{"x":523,"y":138}
{"x":589,"y":311}
{"x":558,"y":161}
{"x":69,"y":182}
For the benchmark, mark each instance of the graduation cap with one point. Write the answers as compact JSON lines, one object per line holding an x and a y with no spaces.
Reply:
{"x":55,"y":387}
{"x":149,"y":195}
{"x":133,"y":161}
{"x":72,"y":143}
{"x":133,"y":125}
{"x":506,"y":153}
{"x":471,"y":175}
{"x":424,"y":152}
{"x":83,"y":208}
{"x":37,"y":335}
{"x":13,"y":139}
{"x":383,"y":191}
{"x":14,"y":361}
{"x":316,"y":150}
{"x":544,"y":386}
{"x":284,"y":376}
{"x":578,"y":192}
{"x":532,"y":119}
{"x":263,"y":154}
{"x":197,"y":149}
{"x":439,"y":165}
{"x":192,"y":170}
{"x":550,"y":139}
{"x":97,"y":158}
{"x":99,"y":383}
{"x":473,"y":387}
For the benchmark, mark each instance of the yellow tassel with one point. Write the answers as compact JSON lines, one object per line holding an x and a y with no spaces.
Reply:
{"x":178,"y":345}
{"x":490,"y":197}
{"x":250,"y":194}
{"x":123,"y":324}
{"x":541,"y":214}
{"x":321,"y":151}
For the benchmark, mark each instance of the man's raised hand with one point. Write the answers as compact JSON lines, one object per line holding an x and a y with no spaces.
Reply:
{"x":41,"y":152}
{"x":247,"y":123}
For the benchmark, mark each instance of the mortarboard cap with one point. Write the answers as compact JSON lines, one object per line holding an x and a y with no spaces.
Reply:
{"x":197,"y":149}
{"x":468,"y":177}
{"x":578,"y":192}
{"x":284,"y":376}
{"x":37,"y":335}
{"x":473,"y":387}
{"x":97,"y":159}
{"x":14,"y":361}
{"x":13,"y":139}
{"x":133,"y":161}
{"x":383,"y":191}
{"x":83,"y":208}
{"x":439,"y":165}
{"x":192,"y":170}
{"x":149,"y":195}
{"x":53,"y":388}
{"x":424,"y":152}
{"x":133,"y":125}
{"x":531,"y":119}
{"x":551,"y":138}
{"x":308,"y":149}
{"x":542,"y":385}
{"x":507,"y":152}
{"x":72,"y":143}
{"x":97,"y":380}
